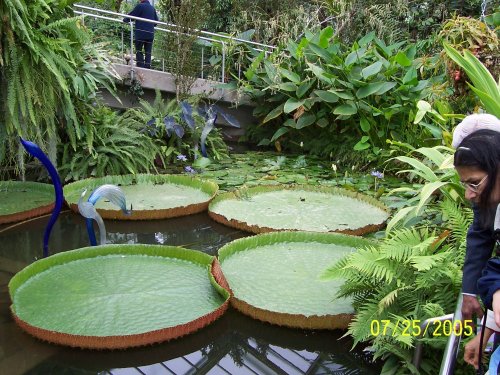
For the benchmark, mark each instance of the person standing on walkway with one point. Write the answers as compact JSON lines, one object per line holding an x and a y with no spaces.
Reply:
{"x":144,"y":32}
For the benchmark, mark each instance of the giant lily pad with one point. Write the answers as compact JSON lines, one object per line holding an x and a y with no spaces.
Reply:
{"x":317,"y":209}
{"x":275,"y":277}
{"x":151,"y":196}
{"x":117,"y":296}
{"x":23,"y":200}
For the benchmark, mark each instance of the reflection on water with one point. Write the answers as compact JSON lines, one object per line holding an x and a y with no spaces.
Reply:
{"x":234,"y":344}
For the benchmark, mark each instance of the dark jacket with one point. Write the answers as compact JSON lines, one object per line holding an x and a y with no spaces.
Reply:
{"x":144,"y":30}
{"x":489,"y":282}
{"x":480,"y":244}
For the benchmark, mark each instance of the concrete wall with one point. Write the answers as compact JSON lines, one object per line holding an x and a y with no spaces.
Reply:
{"x":240,"y":107}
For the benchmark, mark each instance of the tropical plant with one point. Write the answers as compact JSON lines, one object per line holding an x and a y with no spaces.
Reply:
{"x":180,"y":46}
{"x":467,"y":33}
{"x":182,"y":130}
{"x":483,"y":83}
{"x":414,"y":274}
{"x":111,"y":145}
{"x":47,"y":66}
{"x":366,"y":92}
{"x":394,"y":21}
{"x":433,"y":177}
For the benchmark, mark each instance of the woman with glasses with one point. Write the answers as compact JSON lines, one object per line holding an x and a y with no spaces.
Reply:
{"x":477,"y":162}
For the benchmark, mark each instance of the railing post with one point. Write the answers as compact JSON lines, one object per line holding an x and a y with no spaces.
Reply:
{"x":202,"y":60}
{"x":223,"y":62}
{"x":131,"y":50}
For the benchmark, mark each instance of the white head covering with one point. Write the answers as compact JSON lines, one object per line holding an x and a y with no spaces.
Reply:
{"x":472,"y":123}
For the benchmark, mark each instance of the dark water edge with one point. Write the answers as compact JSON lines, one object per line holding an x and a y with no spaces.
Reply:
{"x":234,"y":344}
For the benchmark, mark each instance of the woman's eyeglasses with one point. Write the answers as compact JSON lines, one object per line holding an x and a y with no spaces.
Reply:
{"x":473,"y":187}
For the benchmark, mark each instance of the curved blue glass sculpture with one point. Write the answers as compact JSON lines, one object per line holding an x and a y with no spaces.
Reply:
{"x":110,"y":192}
{"x":36,"y":152}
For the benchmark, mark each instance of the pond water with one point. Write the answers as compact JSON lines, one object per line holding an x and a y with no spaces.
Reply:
{"x":234,"y":344}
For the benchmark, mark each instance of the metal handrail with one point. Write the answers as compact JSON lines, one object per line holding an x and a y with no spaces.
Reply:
{"x":174,"y":26}
{"x":170,"y":28}
{"x":451,"y":350}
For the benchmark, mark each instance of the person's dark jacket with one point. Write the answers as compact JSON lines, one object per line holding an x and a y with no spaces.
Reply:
{"x":144,"y":30}
{"x":489,"y":282}
{"x":480,"y":245}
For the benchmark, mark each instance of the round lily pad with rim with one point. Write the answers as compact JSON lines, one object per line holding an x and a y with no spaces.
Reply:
{"x":263,"y":209}
{"x":24,"y":200}
{"x":275,"y":277}
{"x":117,"y":296}
{"x":151,"y":196}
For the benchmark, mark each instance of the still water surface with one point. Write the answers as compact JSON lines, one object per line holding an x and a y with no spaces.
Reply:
{"x":234,"y":344}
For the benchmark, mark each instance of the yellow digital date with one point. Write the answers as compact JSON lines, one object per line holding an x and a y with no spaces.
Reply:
{"x":418,"y":328}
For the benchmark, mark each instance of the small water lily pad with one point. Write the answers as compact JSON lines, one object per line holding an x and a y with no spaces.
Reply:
{"x":275,"y":277}
{"x":298,"y":207}
{"x":117,"y":296}
{"x":24,"y":200}
{"x":151,"y":196}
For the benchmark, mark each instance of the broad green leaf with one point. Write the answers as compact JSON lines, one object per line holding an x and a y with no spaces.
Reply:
{"x":288,"y":86}
{"x":319,"y":72}
{"x":370,"y":89}
{"x":327,"y":96}
{"x":292,"y":76}
{"x":305,"y":120}
{"x":386,"y":87}
{"x":419,"y":168}
{"x":274,"y":113}
{"x":271,"y":70}
{"x":355,"y":56}
{"x":410,"y":76}
{"x":422,"y":108}
{"x":372,"y":69}
{"x":345,"y":109}
{"x":281,"y":131}
{"x":324,"y":37}
{"x":362,"y":145}
{"x":304,"y":87}
{"x":399,"y":216}
{"x":426,"y":193}
{"x":364,"y":124}
{"x":366,"y":39}
{"x":323,"y":53}
{"x":292,"y":104}
{"x":342,"y":94}
{"x":433,"y":154}
{"x":402,"y":59}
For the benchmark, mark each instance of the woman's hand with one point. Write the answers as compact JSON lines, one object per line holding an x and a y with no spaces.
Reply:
{"x":471,"y":352}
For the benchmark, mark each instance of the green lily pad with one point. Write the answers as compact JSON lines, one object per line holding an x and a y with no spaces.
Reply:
{"x":307,"y":208}
{"x":275,"y":277}
{"x":151,"y":196}
{"x":23,"y":200}
{"x":117,"y":296}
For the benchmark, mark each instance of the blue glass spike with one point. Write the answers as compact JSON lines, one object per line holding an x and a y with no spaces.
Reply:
{"x":36,"y":152}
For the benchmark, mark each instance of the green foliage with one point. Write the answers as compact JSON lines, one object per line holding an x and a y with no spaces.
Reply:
{"x":111,"y":145}
{"x":181,"y":48}
{"x":413,"y":275}
{"x":184,"y":138}
{"x":483,"y":83}
{"x":364,"y":93}
{"x":396,"y":20}
{"x":47,"y":64}
{"x":433,"y":177}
